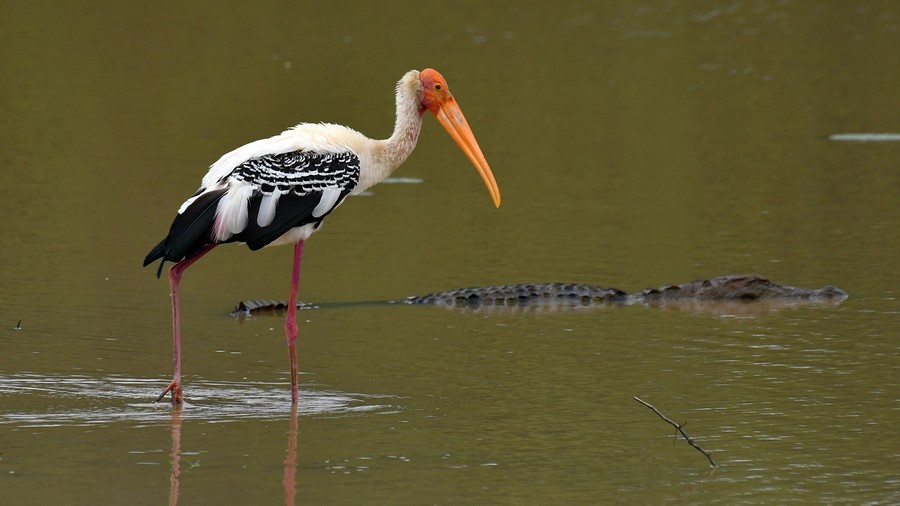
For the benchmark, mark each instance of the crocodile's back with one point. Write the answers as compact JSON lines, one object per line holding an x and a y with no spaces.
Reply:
{"x":739,"y":287}
{"x":524,"y":294}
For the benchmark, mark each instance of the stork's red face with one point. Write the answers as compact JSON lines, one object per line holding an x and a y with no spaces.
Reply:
{"x":441,"y":103}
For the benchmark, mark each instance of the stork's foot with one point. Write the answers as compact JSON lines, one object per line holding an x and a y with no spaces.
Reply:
{"x":177,"y":395}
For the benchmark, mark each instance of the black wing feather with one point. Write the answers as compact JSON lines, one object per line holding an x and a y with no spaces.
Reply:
{"x":299,"y":176}
{"x":189,"y":231}
{"x":290,"y":213}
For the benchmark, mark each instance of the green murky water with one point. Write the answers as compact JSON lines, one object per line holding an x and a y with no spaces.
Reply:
{"x":635,"y":144}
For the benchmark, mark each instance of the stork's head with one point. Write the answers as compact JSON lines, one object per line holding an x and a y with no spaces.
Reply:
{"x":438,"y":99}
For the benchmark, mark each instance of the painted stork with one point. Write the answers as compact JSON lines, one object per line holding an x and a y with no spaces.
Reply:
{"x":278,"y":191}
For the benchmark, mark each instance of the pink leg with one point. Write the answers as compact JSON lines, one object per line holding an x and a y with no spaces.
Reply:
{"x":174,"y":279}
{"x":290,"y":322}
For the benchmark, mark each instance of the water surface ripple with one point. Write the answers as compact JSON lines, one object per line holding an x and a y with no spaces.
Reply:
{"x":84,"y":400}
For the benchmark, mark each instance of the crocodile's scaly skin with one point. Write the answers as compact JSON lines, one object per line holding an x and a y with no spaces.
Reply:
{"x":734,"y":287}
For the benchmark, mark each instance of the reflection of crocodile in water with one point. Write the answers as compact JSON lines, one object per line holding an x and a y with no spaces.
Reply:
{"x":730,"y":288}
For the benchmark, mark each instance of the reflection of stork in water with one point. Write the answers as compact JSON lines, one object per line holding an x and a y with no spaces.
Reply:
{"x":278,"y":191}
{"x":289,"y":481}
{"x":175,"y":456}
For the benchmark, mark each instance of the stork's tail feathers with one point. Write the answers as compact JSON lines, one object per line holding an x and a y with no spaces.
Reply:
{"x":158,"y":252}
{"x":189,"y":233}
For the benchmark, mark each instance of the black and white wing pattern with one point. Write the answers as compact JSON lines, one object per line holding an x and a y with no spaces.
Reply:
{"x":288,"y":190}
{"x":298,"y":172}
{"x":260,"y":200}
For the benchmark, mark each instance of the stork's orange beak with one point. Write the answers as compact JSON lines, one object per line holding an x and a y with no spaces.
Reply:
{"x":440,"y":101}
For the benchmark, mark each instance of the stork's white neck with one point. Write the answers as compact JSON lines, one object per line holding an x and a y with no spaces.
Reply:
{"x":390,"y":153}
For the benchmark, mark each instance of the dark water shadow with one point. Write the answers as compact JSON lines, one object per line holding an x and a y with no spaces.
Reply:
{"x":37,"y":400}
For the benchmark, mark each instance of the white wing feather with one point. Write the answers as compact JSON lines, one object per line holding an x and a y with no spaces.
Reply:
{"x":232,"y":212}
{"x":327,"y":202}
{"x":267,"y":208}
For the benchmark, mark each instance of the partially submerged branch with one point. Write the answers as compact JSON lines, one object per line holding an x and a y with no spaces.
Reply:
{"x":678,"y":427}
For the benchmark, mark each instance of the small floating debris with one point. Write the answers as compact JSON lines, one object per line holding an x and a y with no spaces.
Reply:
{"x":866,"y":137}
{"x":403,"y":180}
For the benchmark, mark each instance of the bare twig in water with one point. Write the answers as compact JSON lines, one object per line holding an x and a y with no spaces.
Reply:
{"x":18,"y":325}
{"x":678,"y":427}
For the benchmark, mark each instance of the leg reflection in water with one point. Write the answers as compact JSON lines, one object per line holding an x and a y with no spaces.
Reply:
{"x":290,"y":461}
{"x":175,"y":455}
{"x":289,"y":479}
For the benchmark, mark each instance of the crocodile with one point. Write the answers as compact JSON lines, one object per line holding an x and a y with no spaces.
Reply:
{"x":735,"y":288}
